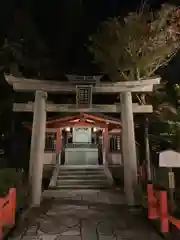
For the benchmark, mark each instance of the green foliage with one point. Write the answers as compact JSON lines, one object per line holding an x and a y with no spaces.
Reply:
{"x":135,"y":47}
{"x":10,"y":178}
{"x":167,"y":113}
{"x":165,"y":102}
{"x":23,"y":45}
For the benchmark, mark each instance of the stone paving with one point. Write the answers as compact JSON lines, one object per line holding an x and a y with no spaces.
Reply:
{"x":85,"y":215}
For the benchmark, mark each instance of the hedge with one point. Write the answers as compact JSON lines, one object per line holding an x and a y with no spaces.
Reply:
{"x":12,"y":178}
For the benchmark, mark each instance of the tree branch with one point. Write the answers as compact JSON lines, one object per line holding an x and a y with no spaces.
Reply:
{"x":163,"y":63}
{"x":125,"y":76}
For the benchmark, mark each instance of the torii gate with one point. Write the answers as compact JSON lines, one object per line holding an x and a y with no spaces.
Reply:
{"x":39,"y":109}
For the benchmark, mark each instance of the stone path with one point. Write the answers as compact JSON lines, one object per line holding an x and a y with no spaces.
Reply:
{"x":85,"y":215}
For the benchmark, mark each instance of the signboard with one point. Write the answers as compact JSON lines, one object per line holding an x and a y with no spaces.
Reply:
{"x":169,"y":159}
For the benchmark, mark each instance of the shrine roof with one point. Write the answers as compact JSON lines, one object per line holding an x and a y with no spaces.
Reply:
{"x":91,"y":118}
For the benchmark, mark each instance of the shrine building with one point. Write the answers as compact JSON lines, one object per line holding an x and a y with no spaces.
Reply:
{"x":82,"y":139}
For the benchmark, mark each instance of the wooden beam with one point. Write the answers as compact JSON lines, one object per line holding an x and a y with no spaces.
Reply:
{"x":28,"y":107}
{"x":30,"y":85}
{"x":51,"y":130}
{"x":56,"y":126}
{"x":80,"y":124}
{"x":101,"y":119}
{"x":63,"y":119}
{"x":48,"y":130}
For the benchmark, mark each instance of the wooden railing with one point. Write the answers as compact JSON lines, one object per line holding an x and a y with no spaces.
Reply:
{"x":7,"y":210}
{"x":158,"y":208}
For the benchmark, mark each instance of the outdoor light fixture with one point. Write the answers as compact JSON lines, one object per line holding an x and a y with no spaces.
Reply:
{"x":94,"y":129}
{"x":67,"y":129}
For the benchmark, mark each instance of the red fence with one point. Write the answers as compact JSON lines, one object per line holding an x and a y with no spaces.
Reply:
{"x":7,"y":210}
{"x":158,"y":208}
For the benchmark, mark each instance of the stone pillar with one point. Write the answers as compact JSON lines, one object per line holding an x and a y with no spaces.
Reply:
{"x":58,"y":145}
{"x":129,"y":148}
{"x":37,"y":147}
{"x":58,"y":140}
{"x":105,"y":144}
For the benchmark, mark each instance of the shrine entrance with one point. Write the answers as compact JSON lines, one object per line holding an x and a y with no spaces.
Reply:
{"x":83,"y":87}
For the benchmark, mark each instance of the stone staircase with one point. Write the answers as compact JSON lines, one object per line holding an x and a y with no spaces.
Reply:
{"x":83,"y":177}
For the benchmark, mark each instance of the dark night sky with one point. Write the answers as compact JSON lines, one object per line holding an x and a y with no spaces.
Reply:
{"x":51,"y":20}
{"x":64,"y":39}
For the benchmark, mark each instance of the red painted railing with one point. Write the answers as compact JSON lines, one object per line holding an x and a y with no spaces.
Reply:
{"x":7,"y":210}
{"x":158,"y":208}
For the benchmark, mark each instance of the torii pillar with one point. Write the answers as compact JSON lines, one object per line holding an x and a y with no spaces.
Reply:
{"x":105,"y":145}
{"x":37,"y":147}
{"x":129,"y":148}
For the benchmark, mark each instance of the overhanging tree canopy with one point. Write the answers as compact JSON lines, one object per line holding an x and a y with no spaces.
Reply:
{"x":133,"y":48}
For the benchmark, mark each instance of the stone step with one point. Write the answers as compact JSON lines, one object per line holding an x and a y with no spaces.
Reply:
{"x":80,"y":173}
{"x":82,"y":167}
{"x":81,"y":181}
{"x":81,"y":176}
{"x":84,"y":177}
{"x":82,"y":186}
